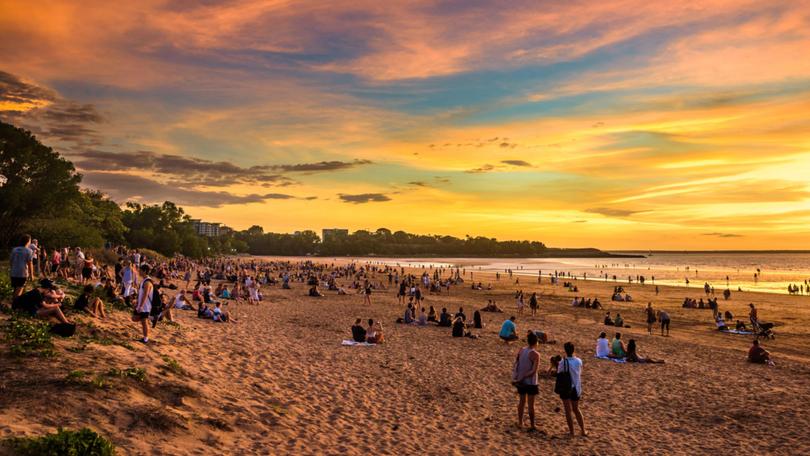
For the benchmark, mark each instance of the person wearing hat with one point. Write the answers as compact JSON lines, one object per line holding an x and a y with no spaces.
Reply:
{"x":42,"y":302}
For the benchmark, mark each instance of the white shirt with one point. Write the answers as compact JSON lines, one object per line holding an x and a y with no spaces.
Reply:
{"x":146,"y":304}
{"x":602,"y":347}
{"x":575,"y":368}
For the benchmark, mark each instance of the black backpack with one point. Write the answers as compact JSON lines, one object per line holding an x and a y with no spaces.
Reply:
{"x":563,"y":384}
{"x":157,"y":300}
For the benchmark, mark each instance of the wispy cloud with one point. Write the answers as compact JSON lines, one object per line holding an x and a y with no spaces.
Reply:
{"x":610,"y":212}
{"x":723,"y":235}
{"x":364,"y":198}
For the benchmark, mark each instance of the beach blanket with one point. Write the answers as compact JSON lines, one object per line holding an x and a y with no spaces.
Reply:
{"x":352,"y":343}
{"x":615,"y":360}
{"x":737,"y":331}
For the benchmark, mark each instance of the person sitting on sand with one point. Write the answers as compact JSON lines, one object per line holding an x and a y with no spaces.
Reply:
{"x":728,"y":315}
{"x":431,"y":317}
{"x":459,"y":327}
{"x":422,"y":321}
{"x":42,"y":302}
{"x":608,"y":320}
{"x":617,"y":347}
{"x":180,"y":301}
{"x":543,"y":338}
{"x":741,"y":326}
{"x":491,"y":307}
{"x":408,"y":317}
{"x":90,"y":303}
{"x":758,"y":355}
{"x":203,"y":311}
{"x":618,"y":321}
{"x":374,"y":334}
{"x":358,"y":332}
{"x":602,"y":346}
{"x":461,"y":314}
{"x":314,"y":293}
{"x":219,"y":315}
{"x":477,"y":324}
{"x":634,"y":357}
{"x":444,"y":318}
{"x":225,"y":293}
{"x":508,"y":330}
{"x":721,"y":324}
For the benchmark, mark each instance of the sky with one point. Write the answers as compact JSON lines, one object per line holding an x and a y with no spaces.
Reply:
{"x":613,"y":124}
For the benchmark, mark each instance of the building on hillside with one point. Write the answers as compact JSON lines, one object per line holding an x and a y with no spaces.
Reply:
{"x":333,"y":233}
{"x":210,"y":229}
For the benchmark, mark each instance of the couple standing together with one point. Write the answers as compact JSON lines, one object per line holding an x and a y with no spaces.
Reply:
{"x":568,"y":385}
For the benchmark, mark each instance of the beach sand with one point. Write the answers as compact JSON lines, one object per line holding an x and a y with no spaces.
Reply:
{"x":279,"y":381}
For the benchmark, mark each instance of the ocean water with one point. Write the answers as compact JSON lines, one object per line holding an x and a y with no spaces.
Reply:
{"x":735,"y":270}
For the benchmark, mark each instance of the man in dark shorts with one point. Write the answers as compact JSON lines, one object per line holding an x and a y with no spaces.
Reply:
{"x":143,"y":306}
{"x":524,"y":378}
{"x":21,"y":262}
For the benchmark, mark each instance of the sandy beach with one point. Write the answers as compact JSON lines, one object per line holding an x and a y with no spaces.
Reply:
{"x":279,"y":381}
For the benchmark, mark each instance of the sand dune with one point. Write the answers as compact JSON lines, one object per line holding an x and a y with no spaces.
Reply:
{"x":279,"y":382}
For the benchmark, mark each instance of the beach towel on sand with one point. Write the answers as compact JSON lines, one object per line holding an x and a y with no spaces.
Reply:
{"x":615,"y":360}
{"x":737,"y":331}
{"x":352,"y":343}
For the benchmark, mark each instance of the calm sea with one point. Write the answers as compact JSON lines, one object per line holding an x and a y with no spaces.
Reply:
{"x":774,"y":271}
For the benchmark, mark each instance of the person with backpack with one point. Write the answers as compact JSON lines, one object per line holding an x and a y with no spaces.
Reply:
{"x":146,"y":298}
{"x":524,"y":378}
{"x":569,"y":387}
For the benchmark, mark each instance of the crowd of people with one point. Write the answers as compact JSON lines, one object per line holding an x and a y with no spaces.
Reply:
{"x":155,"y":289}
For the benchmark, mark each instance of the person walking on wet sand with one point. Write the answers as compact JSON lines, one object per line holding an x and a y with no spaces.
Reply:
{"x":524,"y":378}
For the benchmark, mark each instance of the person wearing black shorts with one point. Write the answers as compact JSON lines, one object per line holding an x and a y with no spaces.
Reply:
{"x":570,"y":398}
{"x":524,"y":378}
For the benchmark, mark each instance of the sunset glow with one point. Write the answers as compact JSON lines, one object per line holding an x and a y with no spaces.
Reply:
{"x":618,"y":125}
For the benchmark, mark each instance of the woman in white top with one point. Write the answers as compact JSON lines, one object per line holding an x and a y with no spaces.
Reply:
{"x":573,"y":366}
{"x":602,"y":346}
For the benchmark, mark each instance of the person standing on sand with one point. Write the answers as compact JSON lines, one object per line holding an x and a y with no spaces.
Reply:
{"x":21,"y":265}
{"x":367,"y":293}
{"x":533,"y":304}
{"x":650,"y":317}
{"x":144,"y":304}
{"x":524,"y":378}
{"x":570,"y":399}
{"x":663,"y":317}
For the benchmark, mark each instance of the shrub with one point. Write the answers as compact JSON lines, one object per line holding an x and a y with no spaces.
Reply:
{"x":28,"y":336}
{"x":136,"y":373}
{"x":5,"y":287}
{"x":173,"y":365}
{"x":83,"y":442}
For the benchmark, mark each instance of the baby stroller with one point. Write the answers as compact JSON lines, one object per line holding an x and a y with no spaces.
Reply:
{"x":764,"y":330}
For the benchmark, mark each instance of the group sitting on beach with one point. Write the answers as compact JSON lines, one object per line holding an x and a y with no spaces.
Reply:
{"x":372,"y":334}
{"x":586,"y":303}
{"x":618,"y":321}
{"x":616,"y":349}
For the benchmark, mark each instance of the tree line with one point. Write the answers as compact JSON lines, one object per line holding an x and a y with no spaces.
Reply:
{"x":40,"y":194}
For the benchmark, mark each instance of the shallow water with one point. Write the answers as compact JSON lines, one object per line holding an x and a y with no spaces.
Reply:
{"x":775,"y":271}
